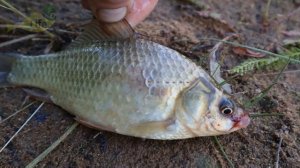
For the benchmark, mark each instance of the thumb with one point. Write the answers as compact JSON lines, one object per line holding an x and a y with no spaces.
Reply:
{"x":108,"y":10}
{"x":111,"y":15}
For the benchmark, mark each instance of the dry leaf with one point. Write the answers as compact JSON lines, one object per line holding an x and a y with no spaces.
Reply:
{"x":247,"y":52}
{"x":292,"y":33}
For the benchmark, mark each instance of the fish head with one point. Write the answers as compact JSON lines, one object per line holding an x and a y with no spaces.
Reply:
{"x":207,"y":111}
{"x":225,"y":116}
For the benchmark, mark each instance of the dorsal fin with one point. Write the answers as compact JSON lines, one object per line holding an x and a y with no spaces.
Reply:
{"x":96,"y":31}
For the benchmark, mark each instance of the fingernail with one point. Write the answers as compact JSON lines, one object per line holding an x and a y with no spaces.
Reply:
{"x":112,"y":15}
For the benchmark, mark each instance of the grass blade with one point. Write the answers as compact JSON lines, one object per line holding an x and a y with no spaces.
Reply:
{"x":223,"y":152}
{"x":254,"y":115}
{"x":52,"y":146}
{"x":17,"y":112}
{"x":255,"y":49}
{"x":255,"y":99}
{"x":10,"y":7}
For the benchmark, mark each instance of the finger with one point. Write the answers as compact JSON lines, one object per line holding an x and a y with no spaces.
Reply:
{"x":115,"y":10}
{"x":110,"y":4}
{"x":108,"y":10}
{"x":85,"y":4}
{"x":111,"y":15}
{"x":140,"y":10}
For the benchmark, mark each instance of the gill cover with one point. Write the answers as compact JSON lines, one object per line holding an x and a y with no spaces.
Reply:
{"x":196,"y":101}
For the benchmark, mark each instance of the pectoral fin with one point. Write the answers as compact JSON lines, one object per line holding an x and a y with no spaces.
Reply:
{"x":94,"y":126}
{"x":150,"y":128}
{"x":38,"y":94}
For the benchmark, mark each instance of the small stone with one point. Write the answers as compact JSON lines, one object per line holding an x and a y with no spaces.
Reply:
{"x":257,"y":90}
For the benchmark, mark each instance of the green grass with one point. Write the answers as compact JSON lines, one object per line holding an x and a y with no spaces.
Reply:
{"x":274,"y":61}
{"x":29,"y":23}
{"x":268,"y":63}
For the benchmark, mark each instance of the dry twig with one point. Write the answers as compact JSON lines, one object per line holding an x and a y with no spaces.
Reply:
{"x":17,"y":112}
{"x":278,"y":152}
{"x":25,"y":123}
{"x":286,"y":17}
{"x":30,"y":36}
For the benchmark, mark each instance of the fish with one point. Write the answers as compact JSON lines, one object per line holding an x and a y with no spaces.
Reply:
{"x":112,"y":80}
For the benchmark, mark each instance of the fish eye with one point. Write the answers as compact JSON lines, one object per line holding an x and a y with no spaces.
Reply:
{"x":226,"y":106}
{"x":227,"y":110}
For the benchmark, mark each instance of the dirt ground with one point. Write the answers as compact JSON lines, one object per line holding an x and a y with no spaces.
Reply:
{"x":184,"y":27}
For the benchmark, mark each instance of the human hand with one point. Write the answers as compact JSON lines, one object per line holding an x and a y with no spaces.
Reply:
{"x":134,"y":11}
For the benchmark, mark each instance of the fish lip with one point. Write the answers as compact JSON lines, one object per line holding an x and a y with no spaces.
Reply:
{"x":240,"y":122}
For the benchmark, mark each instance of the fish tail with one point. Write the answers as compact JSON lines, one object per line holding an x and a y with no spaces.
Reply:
{"x":7,"y":61}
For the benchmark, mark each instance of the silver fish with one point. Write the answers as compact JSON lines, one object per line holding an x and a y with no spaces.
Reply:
{"x":130,"y":86}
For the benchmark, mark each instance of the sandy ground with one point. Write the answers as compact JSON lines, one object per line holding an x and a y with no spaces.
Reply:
{"x":181,"y":26}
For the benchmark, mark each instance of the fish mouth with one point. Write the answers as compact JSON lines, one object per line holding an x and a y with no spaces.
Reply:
{"x":241,"y":122}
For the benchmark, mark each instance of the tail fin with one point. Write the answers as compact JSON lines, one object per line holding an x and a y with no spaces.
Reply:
{"x":6,"y":62}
